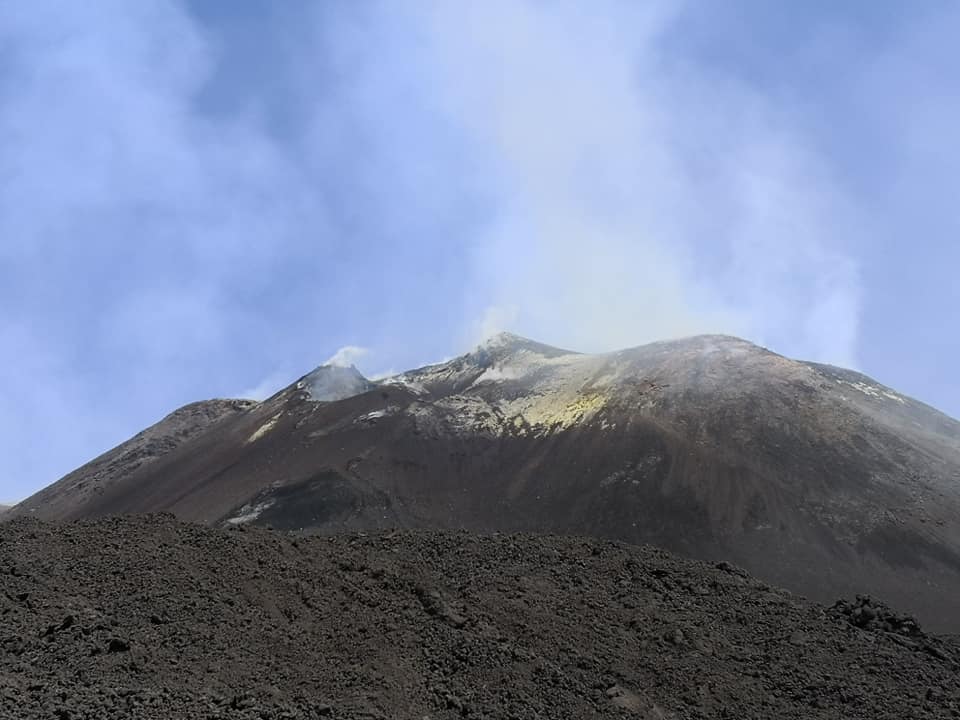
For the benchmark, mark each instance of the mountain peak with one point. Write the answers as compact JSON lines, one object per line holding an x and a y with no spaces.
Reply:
{"x":502,"y":339}
{"x":506,"y":345}
{"x":328,"y":383}
{"x":707,"y":342}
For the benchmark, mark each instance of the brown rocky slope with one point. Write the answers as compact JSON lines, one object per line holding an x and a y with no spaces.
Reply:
{"x":151,"y":618}
{"x":85,"y":484}
{"x":812,"y":477}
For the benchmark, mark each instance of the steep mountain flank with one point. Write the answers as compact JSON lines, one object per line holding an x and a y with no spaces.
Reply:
{"x":84,"y":485}
{"x":812,"y":477}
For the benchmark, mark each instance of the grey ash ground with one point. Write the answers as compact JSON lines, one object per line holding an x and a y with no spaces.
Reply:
{"x":151,"y":618}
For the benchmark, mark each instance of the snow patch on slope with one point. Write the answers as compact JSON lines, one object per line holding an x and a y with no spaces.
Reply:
{"x":249,"y":513}
{"x":372,"y":417}
{"x":874,"y":391}
{"x":405,"y":380}
{"x":264,"y":429}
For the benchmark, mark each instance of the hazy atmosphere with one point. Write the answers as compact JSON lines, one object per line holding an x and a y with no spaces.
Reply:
{"x":208,"y":199}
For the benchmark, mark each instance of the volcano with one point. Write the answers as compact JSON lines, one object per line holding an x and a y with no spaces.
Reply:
{"x":812,"y":477}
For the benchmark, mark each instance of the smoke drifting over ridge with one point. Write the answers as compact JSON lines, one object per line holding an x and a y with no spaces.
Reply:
{"x":192,"y":209}
{"x":346,"y":356}
{"x":638,"y":196}
{"x":577,"y":179}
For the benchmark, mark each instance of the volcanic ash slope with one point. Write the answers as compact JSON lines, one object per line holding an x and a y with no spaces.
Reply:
{"x":814,"y":478}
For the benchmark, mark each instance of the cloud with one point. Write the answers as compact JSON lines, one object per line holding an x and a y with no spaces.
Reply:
{"x":346,"y":356}
{"x":640,"y":195}
{"x":180,"y":216}
{"x":136,"y":229}
{"x":495,"y":319}
{"x":265,"y":388}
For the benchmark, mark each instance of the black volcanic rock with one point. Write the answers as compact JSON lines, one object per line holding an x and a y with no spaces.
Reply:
{"x":811,"y":477}
{"x":150,"y":618}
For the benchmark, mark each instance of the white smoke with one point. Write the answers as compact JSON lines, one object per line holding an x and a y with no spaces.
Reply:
{"x":265,"y":388}
{"x":496,"y":319}
{"x":638,"y":196}
{"x":442,"y":171}
{"x":346,"y":356}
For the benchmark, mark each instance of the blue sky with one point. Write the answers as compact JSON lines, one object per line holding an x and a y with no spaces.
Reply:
{"x":207,"y":198}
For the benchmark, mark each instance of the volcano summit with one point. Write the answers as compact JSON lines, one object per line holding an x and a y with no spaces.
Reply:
{"x":812,"y":477}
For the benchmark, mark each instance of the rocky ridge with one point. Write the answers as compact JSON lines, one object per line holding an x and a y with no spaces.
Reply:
{"x":91,"y":480}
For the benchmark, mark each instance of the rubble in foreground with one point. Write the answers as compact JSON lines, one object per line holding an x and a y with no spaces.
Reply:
{"x":148,"y":617}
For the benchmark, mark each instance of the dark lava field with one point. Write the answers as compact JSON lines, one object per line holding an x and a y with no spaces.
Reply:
{"x":151,"y":618}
